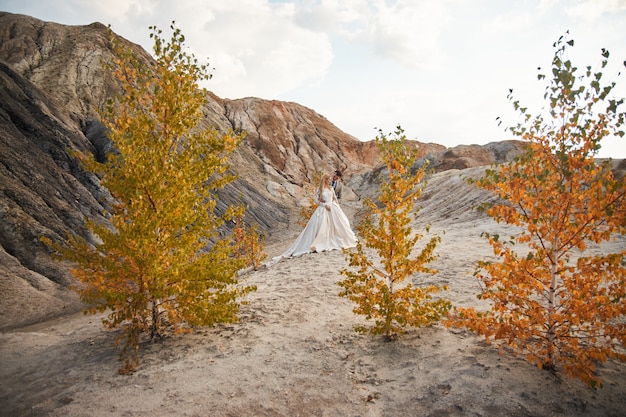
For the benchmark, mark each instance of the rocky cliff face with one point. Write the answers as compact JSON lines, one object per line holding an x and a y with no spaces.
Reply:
{"x":52,"y":86}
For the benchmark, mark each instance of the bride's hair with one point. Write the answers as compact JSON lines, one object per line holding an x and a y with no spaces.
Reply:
{"x":324,"y":182}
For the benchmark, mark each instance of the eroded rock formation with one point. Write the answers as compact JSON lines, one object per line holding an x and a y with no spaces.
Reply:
{"x":52,"y":86}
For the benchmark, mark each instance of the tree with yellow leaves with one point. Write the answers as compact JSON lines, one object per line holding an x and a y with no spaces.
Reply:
{"x":161,"y":261}
{"x":379,"y":287}
{"x":559,"y":305}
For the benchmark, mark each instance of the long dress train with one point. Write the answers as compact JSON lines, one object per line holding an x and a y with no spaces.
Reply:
{"x":326,"y":230}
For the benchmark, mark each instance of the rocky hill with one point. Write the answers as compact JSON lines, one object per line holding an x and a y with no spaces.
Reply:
{"x":52,"y":86}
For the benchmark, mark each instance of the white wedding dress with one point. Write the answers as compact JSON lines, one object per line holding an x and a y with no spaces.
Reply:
{"x":326,"y":230}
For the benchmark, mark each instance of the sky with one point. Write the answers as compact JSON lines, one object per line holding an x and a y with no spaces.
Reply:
{"x":440,"y":69}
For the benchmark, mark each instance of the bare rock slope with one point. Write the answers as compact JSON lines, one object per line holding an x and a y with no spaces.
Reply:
{"x":52,"y":86}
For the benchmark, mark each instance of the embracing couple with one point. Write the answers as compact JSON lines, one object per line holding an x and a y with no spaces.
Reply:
{"x":328,"y":228}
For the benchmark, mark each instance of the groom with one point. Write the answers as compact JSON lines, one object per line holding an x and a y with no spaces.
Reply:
{"x":336,"y":184}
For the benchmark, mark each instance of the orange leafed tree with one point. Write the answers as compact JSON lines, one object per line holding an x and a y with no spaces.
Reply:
{"x":161,"y":262}
{"x":249,"y":244}
{"x":563,"y":307}
{"x":378,"y":285}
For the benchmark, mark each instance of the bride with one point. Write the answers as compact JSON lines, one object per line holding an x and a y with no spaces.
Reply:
{"x":327,"y":229}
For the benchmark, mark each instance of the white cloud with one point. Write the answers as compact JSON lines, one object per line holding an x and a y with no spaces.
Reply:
{"x":593,"y":9}
{"x":256,"y":47}
{"x":404,"y":31}
{"x":260,"y":50}
{"x":331,"y":16}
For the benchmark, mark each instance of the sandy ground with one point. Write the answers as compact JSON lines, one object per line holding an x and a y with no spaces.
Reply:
{"x":295,"y":353}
